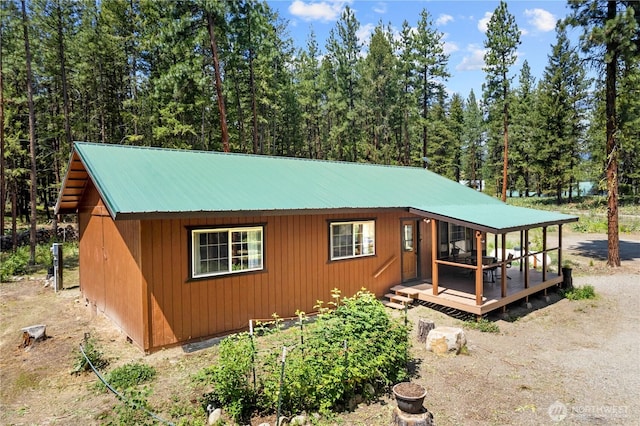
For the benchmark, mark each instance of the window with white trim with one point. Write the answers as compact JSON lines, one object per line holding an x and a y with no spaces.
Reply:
{"x":352,"y":239}
{"x":226,"y":250}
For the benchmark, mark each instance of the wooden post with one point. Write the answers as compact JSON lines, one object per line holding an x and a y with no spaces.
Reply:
{"x":521,"y":249}
{"x":434,"y":256}
{"x":503,"y":267}
{"x":479,"y":271}
{"x":559,"y":249}
{"x":526,"y":258}
{"x":544,"y":254}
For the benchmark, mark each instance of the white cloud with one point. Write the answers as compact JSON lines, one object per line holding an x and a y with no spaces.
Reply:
{"x":364,"y":33}
{"x":484,"y":22}
{"x":324,"y":11}
{"x":449,"y":46}
{"x":541,"y":19}
{"x":474,"y":60}
{"x":444,"y":19}
{"x":380,"y":8}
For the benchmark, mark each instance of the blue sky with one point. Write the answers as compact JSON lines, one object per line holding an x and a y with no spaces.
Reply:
{"x":463,"y":23}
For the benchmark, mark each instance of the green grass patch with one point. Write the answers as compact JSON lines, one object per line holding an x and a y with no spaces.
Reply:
{"x":130,"y":375}
{"x":579,"y":293}
{"x":483,"y":325}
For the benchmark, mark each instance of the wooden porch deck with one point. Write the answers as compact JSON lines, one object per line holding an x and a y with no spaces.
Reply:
{"x":456,"y":289}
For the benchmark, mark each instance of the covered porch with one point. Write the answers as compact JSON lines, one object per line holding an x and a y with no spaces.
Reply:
{"x":456,"y":289}
{"x":483,"y":265}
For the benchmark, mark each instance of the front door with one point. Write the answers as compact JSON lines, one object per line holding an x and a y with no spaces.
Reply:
{"x":409,"y":229}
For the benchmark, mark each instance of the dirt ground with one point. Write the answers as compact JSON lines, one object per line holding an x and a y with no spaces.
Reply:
{"x":562,"y":362}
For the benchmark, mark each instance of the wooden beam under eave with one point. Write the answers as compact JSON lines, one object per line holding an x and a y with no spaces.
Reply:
{"x":434,"y":256}
{"x":479,"y":270}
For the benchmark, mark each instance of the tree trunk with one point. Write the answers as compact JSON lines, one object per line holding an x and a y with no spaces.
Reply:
{"x":216,"y":68}
{"x":505,"y":160}
{"x":14,"y":216}
{"x":424,"y":327}
{"x":32,"y":138}
{"x":424,"y":118}
{"x":3,"y":183}
{"x":613,"y":257}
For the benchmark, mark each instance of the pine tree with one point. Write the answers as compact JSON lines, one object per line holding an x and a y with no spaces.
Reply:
{"x":379,"y":91}
{"x":563,"y":93}
{"x":343,"y":50}
{"x":431,"y":71}
{"x":503,"y":39}
{"x":472,"y":142}
{"x":611,"y":28}
{"x":525,"y":132}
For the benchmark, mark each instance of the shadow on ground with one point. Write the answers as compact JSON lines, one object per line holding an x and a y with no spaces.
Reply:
{"x":629,"y":250}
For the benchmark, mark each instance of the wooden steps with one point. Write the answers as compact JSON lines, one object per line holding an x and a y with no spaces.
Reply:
{"x":393,"y":305}
{"x":400,"y":299}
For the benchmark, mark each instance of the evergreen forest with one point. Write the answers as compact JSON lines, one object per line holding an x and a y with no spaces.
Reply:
{"x":225,"y":75}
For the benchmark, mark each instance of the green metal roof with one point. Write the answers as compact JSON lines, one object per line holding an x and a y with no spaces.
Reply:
{"x":137,"y":182}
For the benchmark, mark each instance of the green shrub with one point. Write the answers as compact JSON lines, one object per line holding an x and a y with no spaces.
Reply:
{"x":353,"y":347}
{"x":130,"y":375}
{"x":94,"y":354}
{"x":230,"y":377}
{"x":14,"y":263}
{"x":483,"y":325}
{"x":579,"y":293}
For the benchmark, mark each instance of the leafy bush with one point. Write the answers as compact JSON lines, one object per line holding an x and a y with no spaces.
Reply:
{"x":14,"y":263}
{"x":130,"y":375}
{"x":230,"y":377}
{"x":483,"y":325}
{"x":352,"y":348}
{"x":17,"y":263}
{"x":579,"y":293}
{"x":94,"y":354}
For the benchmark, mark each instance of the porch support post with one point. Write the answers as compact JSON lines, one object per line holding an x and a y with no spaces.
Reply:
{"x":544,"y":254}
{"x":559,"y":249}
{"x":503,"y":267}
{"x":434,"y":256}
{"x":521,"y":249}
{"x":526,"y":258}
{"x":479,"y":271}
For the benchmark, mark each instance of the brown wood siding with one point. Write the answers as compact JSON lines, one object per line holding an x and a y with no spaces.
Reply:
{"x":297,"y":272}
{"x":109,"y":265}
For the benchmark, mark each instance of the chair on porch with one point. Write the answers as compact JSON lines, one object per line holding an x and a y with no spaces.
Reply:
{"x":490,"y":272}
{"x":508,"y":262}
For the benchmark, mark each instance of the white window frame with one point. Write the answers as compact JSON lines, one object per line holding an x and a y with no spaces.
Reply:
{"x":369,"y":247}
{"x":251,"y":257}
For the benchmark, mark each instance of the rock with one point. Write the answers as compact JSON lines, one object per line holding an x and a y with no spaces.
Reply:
{"x":214,"y":417}
{"x":264,"y":424}
{"x":443,"y":340}
{"x":354,"y":401}
{"x":299,"y":420}
{"x":369,"y":390}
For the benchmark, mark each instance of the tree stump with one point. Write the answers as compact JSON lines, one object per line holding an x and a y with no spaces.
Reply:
{"x":424,"y":327}
{"x":32,"y":334}
{"x":400,"y":418}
